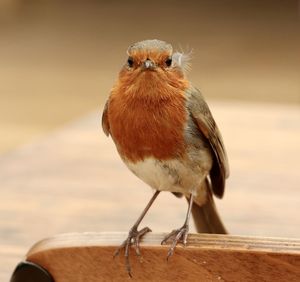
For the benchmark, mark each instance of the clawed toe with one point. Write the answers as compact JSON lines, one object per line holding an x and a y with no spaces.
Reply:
{"x":177,"y":236}
{"x":134,"y":238}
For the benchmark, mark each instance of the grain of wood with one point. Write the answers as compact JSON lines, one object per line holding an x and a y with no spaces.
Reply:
{"x":88,"y":257}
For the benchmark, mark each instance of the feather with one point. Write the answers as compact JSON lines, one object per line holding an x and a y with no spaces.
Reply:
{"x":182,"y":60}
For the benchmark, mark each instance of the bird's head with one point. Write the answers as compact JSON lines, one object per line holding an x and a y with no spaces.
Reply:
{"x":152,"y":62}
{"x":149,"y":55}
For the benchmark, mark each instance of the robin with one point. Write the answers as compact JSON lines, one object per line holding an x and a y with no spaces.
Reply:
{"x":166,"y":135}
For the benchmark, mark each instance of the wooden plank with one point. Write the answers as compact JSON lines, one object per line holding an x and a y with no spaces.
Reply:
{"x":89,"y":257}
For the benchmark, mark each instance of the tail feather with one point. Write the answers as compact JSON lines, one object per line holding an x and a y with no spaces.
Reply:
{"x":206,"y":217}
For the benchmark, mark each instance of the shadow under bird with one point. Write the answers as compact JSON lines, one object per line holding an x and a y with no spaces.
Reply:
{"x":166,"y":135}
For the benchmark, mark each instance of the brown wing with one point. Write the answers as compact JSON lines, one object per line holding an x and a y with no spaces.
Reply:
{"x":105,"y":123}
{"x":203,"y":118}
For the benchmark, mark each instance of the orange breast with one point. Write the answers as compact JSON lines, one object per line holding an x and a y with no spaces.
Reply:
{"x":149,"y":119}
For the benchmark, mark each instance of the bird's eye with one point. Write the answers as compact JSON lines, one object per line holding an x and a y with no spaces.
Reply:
{"x":168,"y":62}
{"x":130,"y":62}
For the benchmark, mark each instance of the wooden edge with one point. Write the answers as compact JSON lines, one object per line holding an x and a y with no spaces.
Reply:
{"x":89,"y":257}
{"x":200,"y":241}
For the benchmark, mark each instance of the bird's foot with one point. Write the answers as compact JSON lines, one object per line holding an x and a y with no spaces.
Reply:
{"x":133,"y":239}
{"x":177,"y":236}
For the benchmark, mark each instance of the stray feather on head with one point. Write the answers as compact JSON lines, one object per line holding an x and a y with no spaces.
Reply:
{"x":183,"y":60}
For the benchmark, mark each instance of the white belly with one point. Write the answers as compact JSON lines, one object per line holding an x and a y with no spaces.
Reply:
{"x":171,"y":175}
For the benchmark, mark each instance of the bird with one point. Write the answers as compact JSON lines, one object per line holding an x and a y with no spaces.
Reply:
{"x":166,"y":135}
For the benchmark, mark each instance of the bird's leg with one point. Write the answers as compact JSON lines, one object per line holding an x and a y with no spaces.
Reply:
{"x":181,"y":234}
{"x":135,"y":235}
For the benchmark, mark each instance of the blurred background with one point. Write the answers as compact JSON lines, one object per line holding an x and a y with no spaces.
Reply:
{"x":59,"y":59}
{"x":58,"y":62}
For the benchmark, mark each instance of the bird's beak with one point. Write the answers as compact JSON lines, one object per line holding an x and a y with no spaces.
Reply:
{"x":148,"y":65}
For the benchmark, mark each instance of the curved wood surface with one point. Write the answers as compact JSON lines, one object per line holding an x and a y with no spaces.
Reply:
{"x":89,"y":257}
